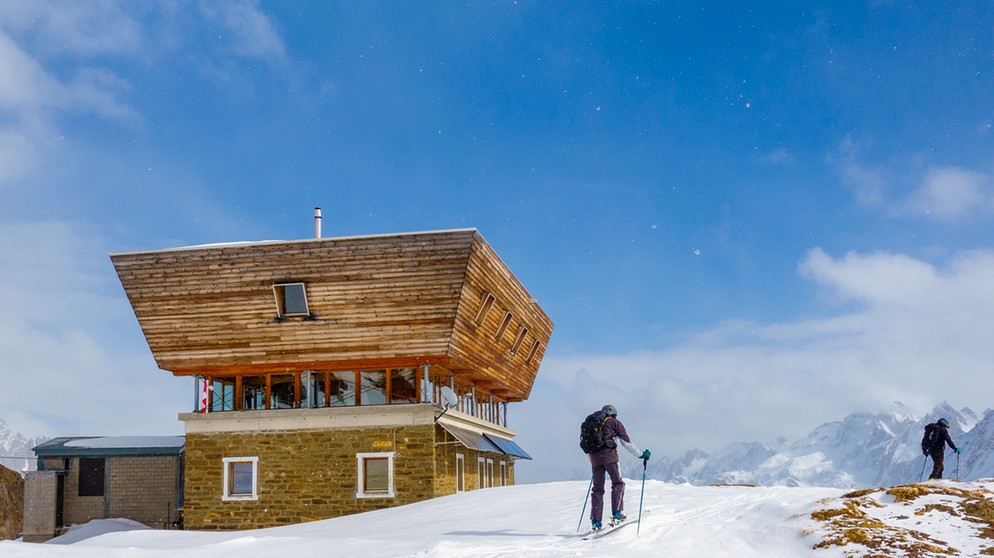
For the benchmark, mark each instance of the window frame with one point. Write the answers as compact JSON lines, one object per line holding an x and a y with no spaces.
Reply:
{"x":279,"y":292}
{"x":485,"y":306}
{"x":361,"y":491}
{"x":227,"y":477}
{"x":519,"y":338}
{"x":536,"y":345}
{"x":505,"y":323}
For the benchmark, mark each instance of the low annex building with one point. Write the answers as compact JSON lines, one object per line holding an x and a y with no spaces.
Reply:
{"x":83,"y":478}
{"x":339,"y":375}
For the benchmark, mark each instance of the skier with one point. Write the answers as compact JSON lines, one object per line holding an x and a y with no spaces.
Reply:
{"x":934,"y":444}
{"x":605,"y":460}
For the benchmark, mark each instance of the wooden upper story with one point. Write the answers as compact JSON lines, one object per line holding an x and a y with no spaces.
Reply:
{"x":442,"y":298}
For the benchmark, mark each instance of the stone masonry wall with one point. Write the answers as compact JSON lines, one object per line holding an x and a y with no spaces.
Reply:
{"x":79,"y":509}
{"x":144,"y":489}
{"x":303,"y":475}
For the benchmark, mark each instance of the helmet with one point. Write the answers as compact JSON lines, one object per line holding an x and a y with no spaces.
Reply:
{"x":944,"y":422}
{"x":610,"y":410}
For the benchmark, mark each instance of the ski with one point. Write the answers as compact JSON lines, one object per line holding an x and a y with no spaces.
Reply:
{"x":611,"y":528}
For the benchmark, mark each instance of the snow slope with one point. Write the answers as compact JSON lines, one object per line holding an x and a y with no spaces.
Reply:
{"x":541,"y":520}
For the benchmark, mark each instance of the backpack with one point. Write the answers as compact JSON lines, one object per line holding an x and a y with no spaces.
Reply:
{"x":591,"y":435}
{"x":930,"y":437}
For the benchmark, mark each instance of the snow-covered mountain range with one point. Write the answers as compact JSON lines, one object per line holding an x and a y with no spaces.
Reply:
{"x":862,"y":450}
{"x":14,"y":447}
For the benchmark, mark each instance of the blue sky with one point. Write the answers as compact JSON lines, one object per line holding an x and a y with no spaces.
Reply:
{"x":744,"y":220}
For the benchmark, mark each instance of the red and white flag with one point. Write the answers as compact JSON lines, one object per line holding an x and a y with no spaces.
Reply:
{"x":203,"y":399}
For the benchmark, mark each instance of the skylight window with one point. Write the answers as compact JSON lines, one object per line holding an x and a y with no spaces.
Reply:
{"x":291,"y":299}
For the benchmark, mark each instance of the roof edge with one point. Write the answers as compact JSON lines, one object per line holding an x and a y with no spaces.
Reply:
{"x":301,"y":240}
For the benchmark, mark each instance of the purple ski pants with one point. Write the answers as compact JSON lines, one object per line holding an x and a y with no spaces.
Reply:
{"x":597,"y":492}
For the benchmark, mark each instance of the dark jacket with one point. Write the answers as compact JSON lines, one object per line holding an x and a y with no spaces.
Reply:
{"x":613,"y":428}
{"x":940,"y":440}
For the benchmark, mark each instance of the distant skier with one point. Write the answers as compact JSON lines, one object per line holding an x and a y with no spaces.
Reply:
{"x":934,"y":444}
{"x":605,"y":460}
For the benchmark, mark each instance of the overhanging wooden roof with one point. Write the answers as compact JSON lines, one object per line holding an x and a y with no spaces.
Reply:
{"x":398,"y":299}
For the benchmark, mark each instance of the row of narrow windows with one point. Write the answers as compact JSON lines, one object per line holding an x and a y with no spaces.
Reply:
{"x":291,"y":300}
{"x":486,"y":305}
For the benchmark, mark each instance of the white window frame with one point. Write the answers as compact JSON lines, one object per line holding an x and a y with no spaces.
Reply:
{"x":490,"y":473}
{"x":360,"y":460}
{"x":481,"y":468}
{"x":503,"y":473}
{"x":280,"y":288}
{"x":225,"y":478}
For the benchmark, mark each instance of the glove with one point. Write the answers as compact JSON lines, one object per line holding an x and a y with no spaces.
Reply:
{"x":645,"y":455}
{"x":957,"y":450}
{"x":925,"y":452}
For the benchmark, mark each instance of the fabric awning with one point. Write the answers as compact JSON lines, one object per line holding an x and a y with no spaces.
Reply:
{"x":484,"y":442}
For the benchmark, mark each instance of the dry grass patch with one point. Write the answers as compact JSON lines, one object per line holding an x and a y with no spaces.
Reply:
{"x":865,"y":536}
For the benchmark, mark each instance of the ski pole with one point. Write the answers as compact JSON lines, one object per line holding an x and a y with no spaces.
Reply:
{"x":957,"y":464}
{"x":922,"y":474}
{"x":584,"y":510}
{"x":638,"y":526}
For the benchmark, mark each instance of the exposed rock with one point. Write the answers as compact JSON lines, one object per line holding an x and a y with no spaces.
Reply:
{"x":11,"y":503}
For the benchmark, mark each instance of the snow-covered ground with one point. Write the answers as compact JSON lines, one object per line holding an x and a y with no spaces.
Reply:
{"x":541,"y":520}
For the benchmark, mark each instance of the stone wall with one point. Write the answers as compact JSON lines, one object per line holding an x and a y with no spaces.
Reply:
{"x":304,"y":475}
{"x":145,"y":489}
{"x":79,"y":509}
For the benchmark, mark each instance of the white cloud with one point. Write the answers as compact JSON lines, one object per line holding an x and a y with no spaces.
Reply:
{"x":31,"y":99}
{"x":921,"y":335}
{"x":951,"y":193}
{"x":938,"y":193}
{"x":251,"y":33}
{"x":62,"y":27}
{"x":71,"y":352}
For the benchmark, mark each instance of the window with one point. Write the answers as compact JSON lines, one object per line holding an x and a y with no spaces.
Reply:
{"x":490,"y":473}
{"x":342,"y":389}
{"x":503,"y":473}
{"x":531,"y":352}
{"x":240,"y":478}
{"x":91,"y":476}
{"x":375,"y":475}
{"x":403,"y":385}
{"x":223,"y":395}
{"x":291,"y":300}
{"x":374,"y":387}
{"x":253,"y":392}
{"x":312,"y":389}
{"x":481,"y":468}
{"x":518,"y":339}
{"x":281,"y":391}
{"x":460,"y":473}
{"x":485,"y":305}
{"x":504,"y":323}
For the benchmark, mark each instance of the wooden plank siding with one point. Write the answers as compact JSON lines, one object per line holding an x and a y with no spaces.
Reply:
{"x":387,"y":300}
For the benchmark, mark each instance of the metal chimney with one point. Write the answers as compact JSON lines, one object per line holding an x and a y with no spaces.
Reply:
{"x":317,"y":222}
